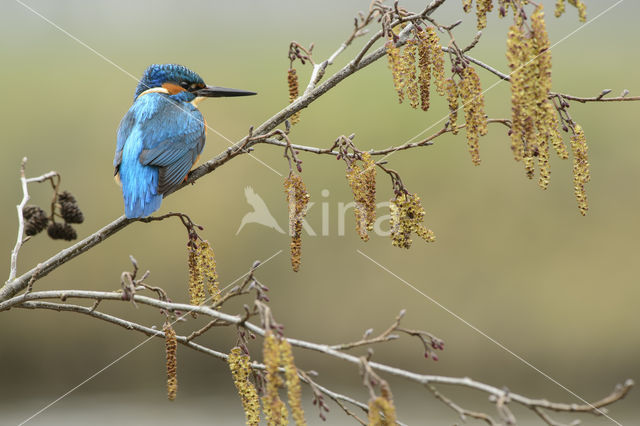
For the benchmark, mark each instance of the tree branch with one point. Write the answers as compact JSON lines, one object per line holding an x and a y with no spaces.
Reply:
{"x":27,"y":301}
{"x":184,"y":340}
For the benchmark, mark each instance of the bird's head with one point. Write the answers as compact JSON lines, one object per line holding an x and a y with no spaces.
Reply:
{"x":174,"y":79}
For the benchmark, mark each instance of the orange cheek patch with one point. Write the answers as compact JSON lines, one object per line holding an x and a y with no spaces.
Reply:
{"x":173,"y":88}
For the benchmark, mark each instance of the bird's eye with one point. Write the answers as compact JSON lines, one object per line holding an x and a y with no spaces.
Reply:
{"x":184,"y":84}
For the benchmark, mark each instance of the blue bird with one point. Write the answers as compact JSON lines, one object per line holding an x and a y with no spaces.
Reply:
{"x":162,"y":135}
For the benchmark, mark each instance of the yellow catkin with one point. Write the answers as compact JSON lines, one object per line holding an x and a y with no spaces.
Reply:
{"x":207,"y":261}
{"x":560,"y":8}
{"x":473,"y":105}
{"x":482,"y":8}
{"x":534,"y":120}
{"x":582,"y":8}
{"x":581,"y":174}
{"x":292,"y":82}
{"x":271,"y":402}
{"x":437,"y":58}
{"x":274,"y":409}
{"x":407,"y":216}
{"x":520,"y":56}
{"x":393,"y":57}
{"x":171,"y":347}
{"x":362,"y":181}
{"x":408,"y":71}
{"x":240,"y":367}
{"x":202,"y":272}
{"x":541,"y":86}
{"x":196,"y":275}
{"x":294,"y":390}
{"x":381,"y":412}
{"x":452,"y":99}
{"x":297,"y":200}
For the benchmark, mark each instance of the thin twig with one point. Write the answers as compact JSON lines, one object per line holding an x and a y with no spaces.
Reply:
{"x":24,"y":181}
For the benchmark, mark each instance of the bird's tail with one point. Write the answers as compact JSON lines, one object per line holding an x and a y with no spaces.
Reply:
{"x":139,"y":189}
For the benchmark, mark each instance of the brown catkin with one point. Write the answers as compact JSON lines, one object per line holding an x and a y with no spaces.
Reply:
{"x":292,"y":82}
{"x":424,"y":64}
{"x":297,"y":200}
{"x":171,"y":347}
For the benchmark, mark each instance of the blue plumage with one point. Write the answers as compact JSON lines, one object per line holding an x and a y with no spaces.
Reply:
{"x":161,"y":136}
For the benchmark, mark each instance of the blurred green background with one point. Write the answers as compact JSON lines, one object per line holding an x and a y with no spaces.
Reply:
{"x":519,"y":263}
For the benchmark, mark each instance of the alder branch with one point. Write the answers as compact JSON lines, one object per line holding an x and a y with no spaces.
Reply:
{"x":28,"y":300}
{"x":506,"y":77}
{"x":186,"y":341}
{"x":14,"y":285}
{"x":24,"y":181}
{"x":425,"y":142}
{"x":243,"y":146}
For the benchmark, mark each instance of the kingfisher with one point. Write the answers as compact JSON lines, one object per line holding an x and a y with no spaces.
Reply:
{"x":162,"y":135}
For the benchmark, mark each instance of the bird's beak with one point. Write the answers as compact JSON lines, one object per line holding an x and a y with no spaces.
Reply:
{"x":221,"y":92}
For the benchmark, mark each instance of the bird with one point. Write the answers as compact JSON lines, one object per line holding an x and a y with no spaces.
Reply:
{"x":260,"y":213}
{"x":162,"y":135}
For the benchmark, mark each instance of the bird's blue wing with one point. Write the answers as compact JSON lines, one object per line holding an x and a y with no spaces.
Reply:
{"x":123,"y":134}
{"x":172,"y":138}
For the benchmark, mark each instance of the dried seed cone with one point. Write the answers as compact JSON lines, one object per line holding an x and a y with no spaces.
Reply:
{"x":60,"y":231}
{"x":581,"y":174}
{"x":292,"y":82}
{"x":67,"y":197}
{"x":71,"y":213}
{"x":362,"y":181}
{"x":407,"y":216}
{"x":240,"y":366}
{"x":297,"y":200}
{"x":273,"y":407}
{"x":35,"y":220}
{"x":171,"y":347}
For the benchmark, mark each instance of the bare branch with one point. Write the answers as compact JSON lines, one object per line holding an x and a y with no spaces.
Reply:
{"x":24,"y":181}
{"x":26,"y":300}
